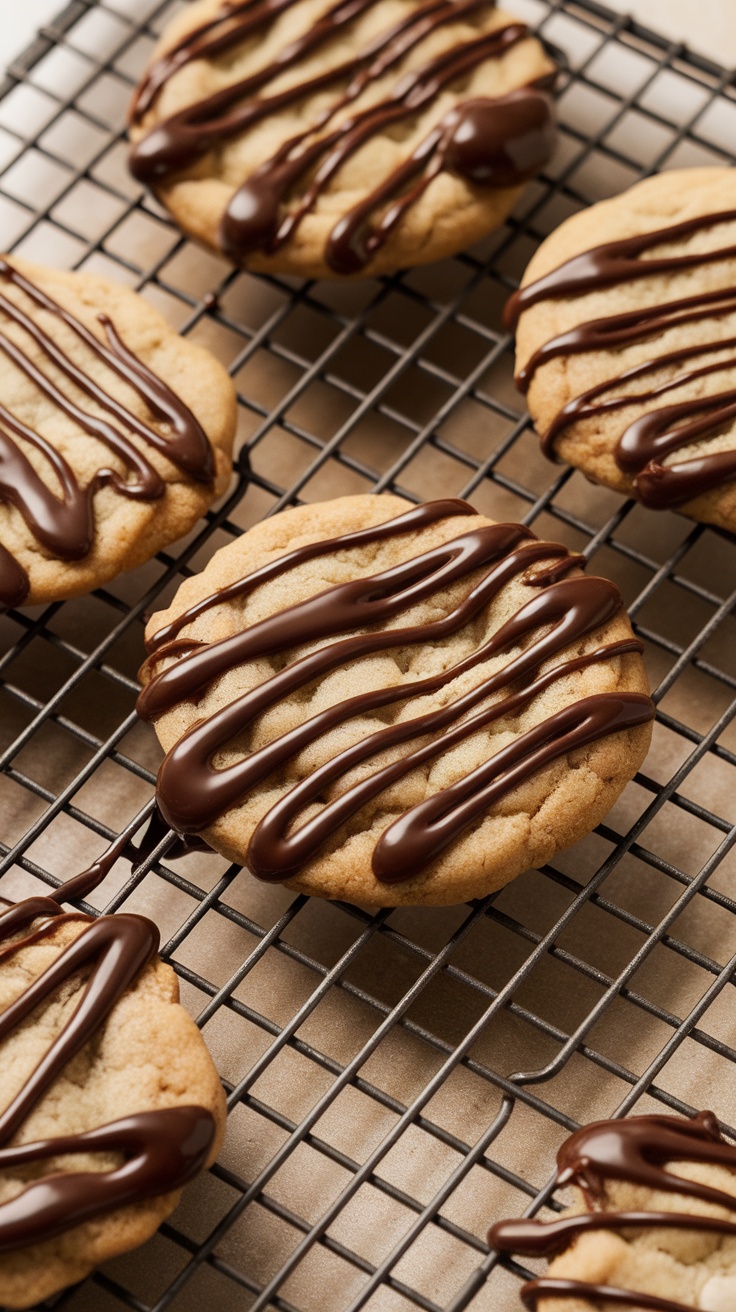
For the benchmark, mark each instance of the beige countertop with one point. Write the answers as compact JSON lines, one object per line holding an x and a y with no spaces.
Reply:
{"x":708,"y":26}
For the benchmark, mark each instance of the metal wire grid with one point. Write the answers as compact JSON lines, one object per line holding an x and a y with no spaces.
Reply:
{"x":471,"y":1040}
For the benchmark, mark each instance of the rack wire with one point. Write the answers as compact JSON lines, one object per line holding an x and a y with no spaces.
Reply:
{"x":395,"y":1081}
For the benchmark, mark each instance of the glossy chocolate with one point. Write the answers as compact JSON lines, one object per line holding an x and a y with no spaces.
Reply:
{"x":638,"y":1152}
{"x":64,"y":524}
{"x":628,"y":1298}
{"x":659,"y":432}
{"x":419,"y":517}
{"x":192,"y":792}
{"x":489,"y":143}
{"x":160,"y":1150}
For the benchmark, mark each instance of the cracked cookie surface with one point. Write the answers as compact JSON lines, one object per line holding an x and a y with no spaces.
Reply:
{"x":115,"y":433}
{"x":145,"y":1061}
{"x":356,"y":138}
{"x":653,"y":1225}
{"x":393,"y":704}
{"x":626,"y":342}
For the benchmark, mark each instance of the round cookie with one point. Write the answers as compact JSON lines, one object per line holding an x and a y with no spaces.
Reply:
{"x":653,"y":1225}
{"x":393,"y":704}
{"x":115,"y":433}
{"x":354,"y":139}
{"x":626,"y":342}
{"x":129,"y":1108}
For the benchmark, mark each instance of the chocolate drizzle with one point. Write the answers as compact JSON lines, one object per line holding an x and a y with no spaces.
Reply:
{"x":667,"y":427}
{"x":192,"y":791}
{"x":160,"y":1150}
{"x":488,"y":142}
{"x":64,"y":524}
{"x":629,"y":1298}
{"x":637,"y":1151}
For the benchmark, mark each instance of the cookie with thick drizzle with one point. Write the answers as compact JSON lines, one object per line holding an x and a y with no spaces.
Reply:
{"x":344,"y":138}
{"x":654,"y":1227}
{"x":115,"y":433}
{"x":626,"y":343}
{"x":109,"y":1101}
{"x":392,"y":703}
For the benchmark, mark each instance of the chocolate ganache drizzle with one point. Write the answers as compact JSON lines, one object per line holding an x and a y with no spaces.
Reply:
{"x":489,"y":142}
{"x":192,"y":792}
{"x":665,"y":427}
{"x":64,"y":524}
{"x":637,"y":1151}
{"x":161,"y":1150}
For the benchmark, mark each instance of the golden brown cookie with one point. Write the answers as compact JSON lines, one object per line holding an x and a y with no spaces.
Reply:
{"x":115,"y":433}
{"x":653,"y":1226}
{"x":626,"y":342}
{"x":391,"y":703}
{"x":109,"y":1101}
{"x":356,"y":138}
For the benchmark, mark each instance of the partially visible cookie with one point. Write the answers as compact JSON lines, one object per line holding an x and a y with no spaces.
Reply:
{"x":626,"y":342}
{"x":109,"y":1101}
{"x":115,"y":433}
{"x":391,"y":703}
{"x":653,"y":1227}
{"x":354,"y":138}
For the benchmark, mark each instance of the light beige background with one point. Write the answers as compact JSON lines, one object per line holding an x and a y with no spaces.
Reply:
{"x":707,"y":25}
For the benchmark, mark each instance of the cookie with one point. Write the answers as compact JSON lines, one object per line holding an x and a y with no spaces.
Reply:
{"x":109,"y":1101}
{"x":115,"y":433}
{"x":653,"y":1227}
{"x":626,"y":343}
{"x":391,"y":703}
{"x":355,"y":139}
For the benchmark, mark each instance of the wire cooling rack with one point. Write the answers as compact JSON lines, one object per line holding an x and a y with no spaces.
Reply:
{"x":397,"y":1081}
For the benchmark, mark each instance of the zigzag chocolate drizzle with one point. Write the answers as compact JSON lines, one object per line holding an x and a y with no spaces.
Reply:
{"x":637,"y":1151}
{"x":161,"y":1150}
{"x":192,"y":792}
{"x":664,"y":428}
{"x":497,"y":143}
{"x":64,"y":524}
